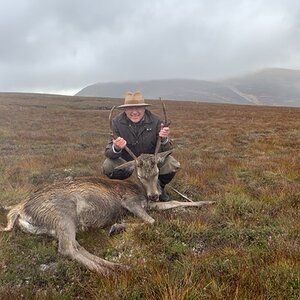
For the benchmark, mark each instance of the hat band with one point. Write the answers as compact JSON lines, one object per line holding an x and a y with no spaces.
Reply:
{"x":132,"y":102}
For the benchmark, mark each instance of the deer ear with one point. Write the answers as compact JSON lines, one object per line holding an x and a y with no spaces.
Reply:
{"x":162,"y":156}
{"x":128,"y":166}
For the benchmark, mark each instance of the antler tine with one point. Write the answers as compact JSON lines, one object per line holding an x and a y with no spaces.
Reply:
{"x":166,"y":123}
{"x":110,"y":122}
{"x":115,"y":136}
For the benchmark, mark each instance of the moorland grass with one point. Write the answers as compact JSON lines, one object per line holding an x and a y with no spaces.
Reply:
{"x":246,"y":246}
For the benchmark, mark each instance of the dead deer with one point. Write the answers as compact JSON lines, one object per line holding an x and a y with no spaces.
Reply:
{"x":63,"y":208}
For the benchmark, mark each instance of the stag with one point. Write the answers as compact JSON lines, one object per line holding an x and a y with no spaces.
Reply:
{"x":63,"y":208}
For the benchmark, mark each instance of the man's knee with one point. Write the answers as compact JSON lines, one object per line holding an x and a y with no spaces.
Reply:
{"x":109,"y":170}
{"x":171,"y":165}
{"x":118,"y":174}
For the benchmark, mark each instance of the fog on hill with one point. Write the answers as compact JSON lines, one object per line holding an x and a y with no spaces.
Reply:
{"x":278,"y":87}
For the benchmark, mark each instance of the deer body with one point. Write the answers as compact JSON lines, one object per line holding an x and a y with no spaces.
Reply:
{"x":61,"y":209}
{"x":86,"y":202}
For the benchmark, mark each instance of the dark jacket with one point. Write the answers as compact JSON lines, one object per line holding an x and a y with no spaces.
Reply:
{"x":141,"y":137}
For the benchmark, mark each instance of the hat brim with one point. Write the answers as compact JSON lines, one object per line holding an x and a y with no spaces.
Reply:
{"x":134,"y":105}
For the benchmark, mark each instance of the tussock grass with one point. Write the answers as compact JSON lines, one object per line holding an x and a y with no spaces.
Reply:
{"x":246,"y":246}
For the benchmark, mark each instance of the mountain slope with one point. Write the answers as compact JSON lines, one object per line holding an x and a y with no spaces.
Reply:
{"x":268,"y":87}
{"x":176,"y":89}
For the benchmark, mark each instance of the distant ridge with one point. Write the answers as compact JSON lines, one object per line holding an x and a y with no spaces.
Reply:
{"x":279,"y":87}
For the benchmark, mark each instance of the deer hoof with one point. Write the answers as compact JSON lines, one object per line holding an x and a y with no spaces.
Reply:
{"x":116,"y":229}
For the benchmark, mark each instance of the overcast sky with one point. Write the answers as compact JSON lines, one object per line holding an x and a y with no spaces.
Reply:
{"x":61,"y":46}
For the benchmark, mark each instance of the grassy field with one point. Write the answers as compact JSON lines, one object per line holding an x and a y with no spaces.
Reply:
{"x":246,"y":246}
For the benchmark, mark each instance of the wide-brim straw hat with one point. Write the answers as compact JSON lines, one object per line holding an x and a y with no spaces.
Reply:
{"x":133,"y":99}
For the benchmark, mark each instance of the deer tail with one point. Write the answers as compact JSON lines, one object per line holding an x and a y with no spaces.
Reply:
{"x":12,"y":216}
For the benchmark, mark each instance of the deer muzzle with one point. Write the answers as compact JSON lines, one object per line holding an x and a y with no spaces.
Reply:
{"x":153,"y":198}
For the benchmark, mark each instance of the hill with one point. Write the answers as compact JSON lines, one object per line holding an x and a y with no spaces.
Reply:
{"x":280,"y":87}
{"x":269,"y":87}
{"x":172,"y":89}
{"x":244,"y":157}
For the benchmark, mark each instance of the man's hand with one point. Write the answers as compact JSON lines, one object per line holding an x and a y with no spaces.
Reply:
{"x":164,"y":132}
{"x":119,"y":143}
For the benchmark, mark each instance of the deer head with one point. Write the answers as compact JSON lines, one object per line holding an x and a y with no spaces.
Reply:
{"x":146,"y":169}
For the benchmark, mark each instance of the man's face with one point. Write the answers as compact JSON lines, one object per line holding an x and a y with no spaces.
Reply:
{"x":135,"y":113}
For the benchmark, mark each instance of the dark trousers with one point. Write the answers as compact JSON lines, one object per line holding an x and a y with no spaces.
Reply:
{"x":165,"y":179}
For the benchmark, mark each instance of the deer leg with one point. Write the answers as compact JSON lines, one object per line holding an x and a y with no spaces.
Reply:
{"x":138,"y":211}
{"x":174,"y":204}
{"x":69,"y":246}
{"x":107,"y":266}
{"x":141,"y":213}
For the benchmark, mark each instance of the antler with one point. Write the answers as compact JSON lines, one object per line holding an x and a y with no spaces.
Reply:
{"x":115,"y":136}
{"x":166,"y":124}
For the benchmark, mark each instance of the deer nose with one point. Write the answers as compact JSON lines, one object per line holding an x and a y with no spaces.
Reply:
{"x":153,"y":197}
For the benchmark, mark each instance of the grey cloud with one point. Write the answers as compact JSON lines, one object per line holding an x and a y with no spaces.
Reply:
{"x":54,"y":45}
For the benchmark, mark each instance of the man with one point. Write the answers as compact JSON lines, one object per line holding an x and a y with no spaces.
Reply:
{"x":138,"y":129}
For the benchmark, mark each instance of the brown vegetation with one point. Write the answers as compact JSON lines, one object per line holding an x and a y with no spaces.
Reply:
{"x":246,"y":158}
